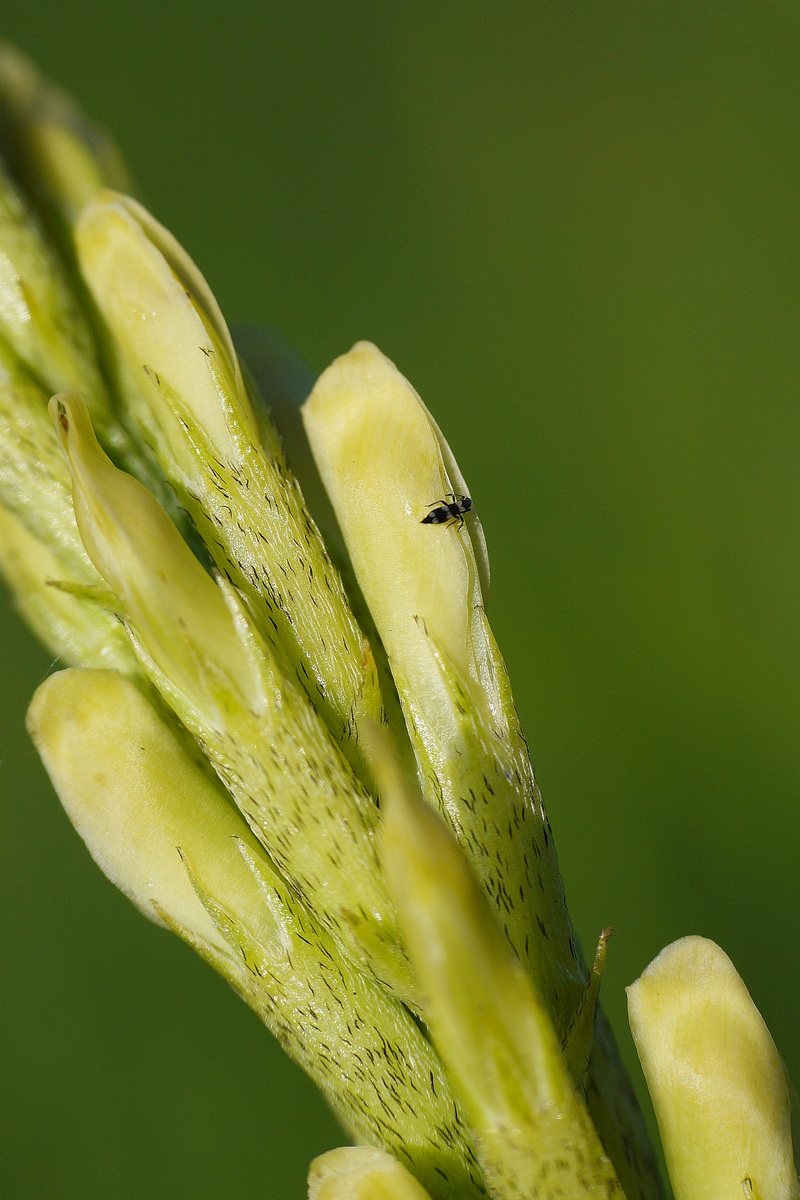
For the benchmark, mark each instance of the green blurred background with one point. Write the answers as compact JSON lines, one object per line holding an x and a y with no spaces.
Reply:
{"x":575,"y":228}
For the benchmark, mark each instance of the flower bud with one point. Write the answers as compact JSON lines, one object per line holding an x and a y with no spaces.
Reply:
{"x":137,"y":799}
{"x":384,"y":462}
{"x":42,"y":556}
{"x":533,"y":1132}
{"x":361,"y":1173}
{"x":716,"y":1080}
{"x":231,"y":477}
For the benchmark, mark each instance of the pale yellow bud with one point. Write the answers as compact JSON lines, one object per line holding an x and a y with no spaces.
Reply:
{"x":230,"y":474}
{"x":715,"y":1077}
{"x":167,"y":323}
{"x":139,"y":801}
{"x":491,"y":1027}
{"x":384,"y":462}
{"x":172,"y":603}
{"x":361,"y":1173}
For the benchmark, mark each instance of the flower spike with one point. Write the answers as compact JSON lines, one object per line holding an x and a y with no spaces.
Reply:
{"x":408,"y":943}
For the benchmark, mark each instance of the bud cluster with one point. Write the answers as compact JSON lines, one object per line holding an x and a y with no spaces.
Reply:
{"x":303,"y":756}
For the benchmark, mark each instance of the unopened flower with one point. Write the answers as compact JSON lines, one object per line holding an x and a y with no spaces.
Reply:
{"x":718,"y":1085}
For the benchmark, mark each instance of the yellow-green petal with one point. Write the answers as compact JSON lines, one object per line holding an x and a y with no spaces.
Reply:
{"x":533,"y":1132}
{"x":361,"y":1173}
{"x":716,"y":1080}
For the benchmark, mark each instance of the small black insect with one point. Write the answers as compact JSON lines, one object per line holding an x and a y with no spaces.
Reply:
{"x":444,"y":511}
